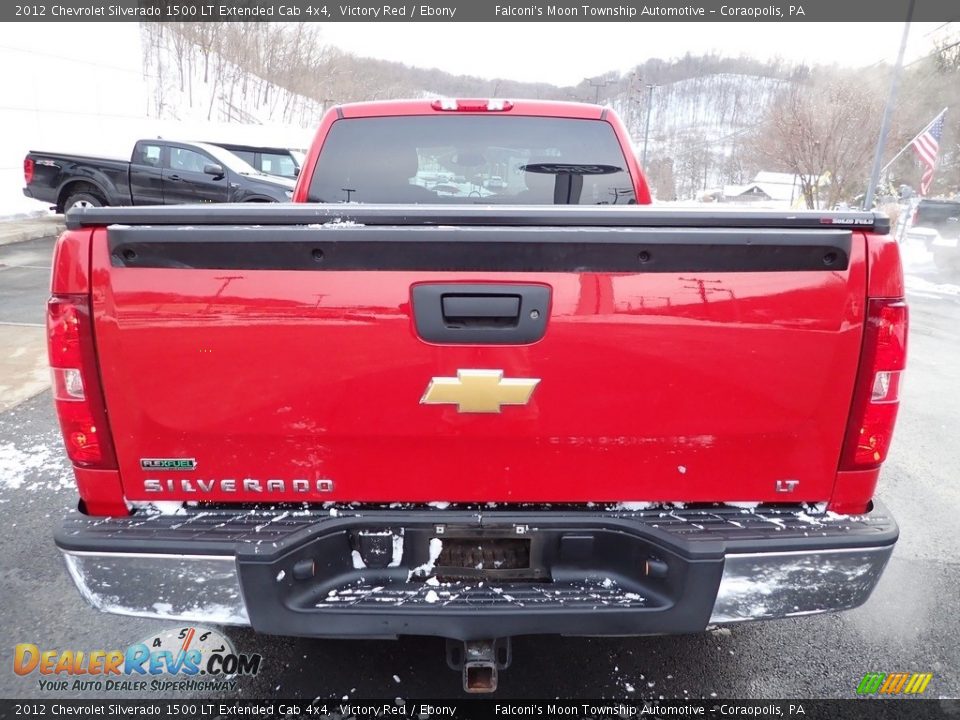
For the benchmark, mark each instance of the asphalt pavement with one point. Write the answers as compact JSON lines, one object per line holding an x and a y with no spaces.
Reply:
{"x":911,"y":623}
{"x":24,"y":287}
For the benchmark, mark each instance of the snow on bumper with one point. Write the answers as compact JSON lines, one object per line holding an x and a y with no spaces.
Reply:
{"x":617,"y":572}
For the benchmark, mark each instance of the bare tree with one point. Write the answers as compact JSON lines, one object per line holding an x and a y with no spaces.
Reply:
{"x":824,"y":131}
{"x":947,"y":55}
{"x":660,"y":178}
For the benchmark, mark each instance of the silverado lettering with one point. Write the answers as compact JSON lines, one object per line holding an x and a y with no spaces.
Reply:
{"x":549,"y":406}
{"x":197,"y":485}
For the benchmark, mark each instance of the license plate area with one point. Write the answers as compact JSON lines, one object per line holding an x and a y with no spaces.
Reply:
{"x":494,"y":554}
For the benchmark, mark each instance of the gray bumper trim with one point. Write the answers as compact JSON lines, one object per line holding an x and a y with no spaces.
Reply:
{"x":199,"y":588}
{"x":755,"y":586}
{"x":225,"y":566}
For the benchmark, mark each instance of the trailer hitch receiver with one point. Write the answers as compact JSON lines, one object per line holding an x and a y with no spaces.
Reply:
{"x":479,"y":661}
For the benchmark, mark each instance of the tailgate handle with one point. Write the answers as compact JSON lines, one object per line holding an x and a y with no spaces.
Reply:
{"x":480,"y":314}
{"x":481,"y":310}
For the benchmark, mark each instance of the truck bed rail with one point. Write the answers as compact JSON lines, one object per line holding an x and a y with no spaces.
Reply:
{"x":473,"y":215}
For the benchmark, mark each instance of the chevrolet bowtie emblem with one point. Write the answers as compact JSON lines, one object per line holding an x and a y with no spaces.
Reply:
{"x":479,"y":391}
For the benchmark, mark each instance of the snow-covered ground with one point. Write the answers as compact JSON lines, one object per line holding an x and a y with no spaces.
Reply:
{"x":21,"y":463}
{"x":916,"y":258}
{"x":920,"y":274}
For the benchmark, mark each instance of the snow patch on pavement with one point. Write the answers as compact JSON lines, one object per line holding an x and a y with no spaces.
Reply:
{"x":921,"y":285}
{"x":915,"y":257}
{"x":918,"y":262}
{"x":35,"y":466}
{"x":16,"y":464}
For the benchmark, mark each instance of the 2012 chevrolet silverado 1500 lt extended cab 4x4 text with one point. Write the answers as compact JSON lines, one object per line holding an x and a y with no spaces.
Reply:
{"x":415,"y":402}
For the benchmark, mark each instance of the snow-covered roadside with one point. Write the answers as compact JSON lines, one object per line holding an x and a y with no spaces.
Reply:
{"x":916,"y":257}
{"x":927,"y":288}
{"x":36,"y":463}
{"x":15,"y":205}
{"x":920,"y":274}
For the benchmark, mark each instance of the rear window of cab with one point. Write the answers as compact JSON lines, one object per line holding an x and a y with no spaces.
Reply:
{"x":472,"y":159}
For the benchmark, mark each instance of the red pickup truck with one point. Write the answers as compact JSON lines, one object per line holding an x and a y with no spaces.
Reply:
{"x":470,"y":384}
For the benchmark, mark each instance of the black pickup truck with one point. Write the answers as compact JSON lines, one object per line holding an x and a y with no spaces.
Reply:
{"x":283,"y":162}
{"x":160,"y":172}
{"x":937,"y":224}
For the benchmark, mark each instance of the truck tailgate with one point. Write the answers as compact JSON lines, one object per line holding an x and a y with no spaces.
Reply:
{"x":288,"y":362}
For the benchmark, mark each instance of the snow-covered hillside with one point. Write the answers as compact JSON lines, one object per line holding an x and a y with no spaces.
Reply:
{"x":697,"y":122}
{"x":714,"y":107}
{"x":189,"y":86}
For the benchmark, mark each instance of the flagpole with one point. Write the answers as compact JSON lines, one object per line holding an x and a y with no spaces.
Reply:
{"x":904,"y":148}
{"x":887,"y":112}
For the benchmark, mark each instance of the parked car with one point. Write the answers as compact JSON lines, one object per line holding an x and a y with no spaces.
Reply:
{"x":937,"y":223}
{"x":476,"y":421}
{"x":160,"y":172}
{"x":282,"y":162}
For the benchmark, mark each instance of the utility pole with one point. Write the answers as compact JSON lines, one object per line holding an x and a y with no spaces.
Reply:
{"x":646,"y":128}
{"x":887,"y":112}
{"x":597,"y":84}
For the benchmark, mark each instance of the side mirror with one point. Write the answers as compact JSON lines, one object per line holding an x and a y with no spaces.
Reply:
{"x":215,"y":170}
{"x":296,"y":172}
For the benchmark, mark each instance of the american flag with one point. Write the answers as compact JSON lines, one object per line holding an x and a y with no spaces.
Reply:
{"x":927,"y":147}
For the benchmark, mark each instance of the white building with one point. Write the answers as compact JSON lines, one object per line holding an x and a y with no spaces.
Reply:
{"x":770,"y":189}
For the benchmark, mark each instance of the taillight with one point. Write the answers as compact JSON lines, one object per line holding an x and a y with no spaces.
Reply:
{"x":471,"y":105}
{"x":28,"y":170}
{"x":76,"y":387}
{"x":877,"y":394}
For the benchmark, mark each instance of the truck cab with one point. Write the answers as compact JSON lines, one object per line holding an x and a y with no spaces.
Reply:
{"x":282,"y":162}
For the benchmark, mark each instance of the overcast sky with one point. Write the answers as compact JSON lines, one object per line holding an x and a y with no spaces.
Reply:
{"x":565,"y":53}
{"x":558,"y":52}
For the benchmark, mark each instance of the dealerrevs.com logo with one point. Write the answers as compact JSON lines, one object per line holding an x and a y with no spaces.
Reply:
{"x":175,"y":660}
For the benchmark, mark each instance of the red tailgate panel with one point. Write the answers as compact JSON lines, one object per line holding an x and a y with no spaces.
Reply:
{"x":653,"y":387}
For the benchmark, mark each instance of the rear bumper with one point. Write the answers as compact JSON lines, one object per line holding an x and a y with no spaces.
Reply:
{"x":40,"y":193}
{"x":587,"y":572}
